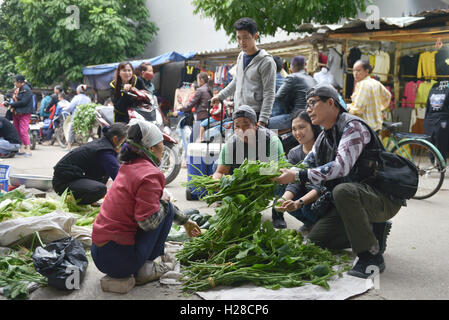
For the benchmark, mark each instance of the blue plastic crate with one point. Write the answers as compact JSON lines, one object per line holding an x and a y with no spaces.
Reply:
{"x":4,"y":171}
{"x":4,"y":177}
{"x":4,"y":185}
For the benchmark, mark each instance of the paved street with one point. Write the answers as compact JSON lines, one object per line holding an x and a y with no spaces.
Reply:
{"x":416,"y":256}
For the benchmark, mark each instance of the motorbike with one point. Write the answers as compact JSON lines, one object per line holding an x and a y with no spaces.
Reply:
{"x":148,"y":110}
{"x":34,"y":131}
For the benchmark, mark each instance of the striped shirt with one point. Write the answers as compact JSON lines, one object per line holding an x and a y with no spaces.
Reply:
{"x":353,"y":140}
{"x":369,"y":99}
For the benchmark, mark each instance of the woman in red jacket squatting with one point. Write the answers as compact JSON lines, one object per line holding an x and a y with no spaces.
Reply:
{"x":136,"y":216}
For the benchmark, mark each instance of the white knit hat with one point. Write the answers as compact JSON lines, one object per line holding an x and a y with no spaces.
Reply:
{"x":151,"y":135}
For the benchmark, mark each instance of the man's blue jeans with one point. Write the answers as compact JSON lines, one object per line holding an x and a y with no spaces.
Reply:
{"x":305,"y":214}
{"x":281,"y":122}
{"x":120,"y":261}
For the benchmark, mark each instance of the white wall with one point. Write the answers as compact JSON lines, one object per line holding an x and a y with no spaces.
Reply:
{"x":182,"y":31}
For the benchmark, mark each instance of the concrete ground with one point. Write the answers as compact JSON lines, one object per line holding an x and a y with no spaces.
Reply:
{"x":416,"y":256}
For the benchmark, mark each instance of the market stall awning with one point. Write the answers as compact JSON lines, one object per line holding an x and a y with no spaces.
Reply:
{"x":162,"y":59}
{"x":99,"y":76}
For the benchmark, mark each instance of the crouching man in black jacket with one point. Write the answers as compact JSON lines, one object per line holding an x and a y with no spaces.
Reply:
{"x":340,"y":161}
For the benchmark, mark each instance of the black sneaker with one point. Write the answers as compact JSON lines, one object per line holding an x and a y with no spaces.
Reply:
{"x":278,"y":219}
{"x":367,"y":265}
{"x":381,"y":231}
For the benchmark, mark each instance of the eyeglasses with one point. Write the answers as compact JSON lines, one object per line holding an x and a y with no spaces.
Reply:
{"x":311,"y":104}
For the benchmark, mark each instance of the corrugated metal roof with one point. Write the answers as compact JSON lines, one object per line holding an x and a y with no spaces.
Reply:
{"x":297,"y":39}
{"x":311,"y":31}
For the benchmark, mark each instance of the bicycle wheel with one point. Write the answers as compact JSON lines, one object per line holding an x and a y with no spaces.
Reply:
{"x":428,"y":161}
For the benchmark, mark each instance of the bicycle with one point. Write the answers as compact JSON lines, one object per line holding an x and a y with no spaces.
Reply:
{"x":426,"y":157}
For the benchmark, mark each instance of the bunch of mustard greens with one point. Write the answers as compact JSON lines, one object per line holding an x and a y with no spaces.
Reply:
{"x":238,"y":248}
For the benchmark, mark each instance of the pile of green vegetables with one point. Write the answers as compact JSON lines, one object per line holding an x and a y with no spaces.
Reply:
{"x":239,"y":249}
{"x":84,"y":119}
{"x":17,"y":272}
{"x":14,"y":204}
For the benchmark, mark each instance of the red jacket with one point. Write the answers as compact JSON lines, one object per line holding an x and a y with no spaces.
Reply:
{"x":134,"y":196}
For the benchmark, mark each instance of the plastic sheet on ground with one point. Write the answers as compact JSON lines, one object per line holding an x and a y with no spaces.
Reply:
{"x":341,"y":289}
{"x":51,"y":226}
{"x":172,"y":277}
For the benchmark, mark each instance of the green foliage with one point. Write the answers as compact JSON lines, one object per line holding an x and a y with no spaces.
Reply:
{"x":7,"y":65}
{"x":84,"y":119}
{"x":271,"y":15}
{"x":51,"y":46}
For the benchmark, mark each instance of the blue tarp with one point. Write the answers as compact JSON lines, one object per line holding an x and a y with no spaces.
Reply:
{"x":99,"y":76}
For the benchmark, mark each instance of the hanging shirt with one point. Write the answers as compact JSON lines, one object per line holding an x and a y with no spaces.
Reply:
{"x":189,"y":74}
{"x":335,"y":65}
{"x":442,"y":62}
{"x":438,"y":100}
{"x":409,"y":65}
{"x":324,"y":77}
{"x":369,"y":99}
{"x":382,"y":66}
{"x":354,"y":55}
{"x":409,"y":95}
{"x":426,"y":65}
{"x":423,"y":93}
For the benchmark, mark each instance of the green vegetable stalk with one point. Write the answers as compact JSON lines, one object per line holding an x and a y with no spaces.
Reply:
{"x":238,"y":248}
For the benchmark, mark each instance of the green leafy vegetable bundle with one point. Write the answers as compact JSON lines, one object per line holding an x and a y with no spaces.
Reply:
{"x":17,"y":272}
{"x":15,"y":205}
{"x":238,"y":248}
{"x":84,"y":119}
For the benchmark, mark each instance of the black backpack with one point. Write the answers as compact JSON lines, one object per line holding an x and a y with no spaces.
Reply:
{"x":394,"y":175}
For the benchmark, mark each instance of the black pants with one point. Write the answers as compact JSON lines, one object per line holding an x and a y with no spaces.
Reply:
{"x":436,"y":125}
{"x":121,"y":117}
{"x":86,"y":190}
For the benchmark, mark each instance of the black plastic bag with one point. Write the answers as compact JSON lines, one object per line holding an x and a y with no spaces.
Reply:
{"x":63,"y":262}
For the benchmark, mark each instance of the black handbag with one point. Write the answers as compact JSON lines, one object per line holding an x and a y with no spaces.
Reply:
{"x":393,"y":174}
{"x":396,"y":175}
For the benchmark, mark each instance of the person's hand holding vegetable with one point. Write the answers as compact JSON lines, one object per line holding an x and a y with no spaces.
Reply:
{"x":287,"y":176}
{"x":192,"y":229}
{"x":289,"y":205}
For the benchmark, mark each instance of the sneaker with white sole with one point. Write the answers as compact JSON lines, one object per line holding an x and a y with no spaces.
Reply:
{"x":151,"y":271}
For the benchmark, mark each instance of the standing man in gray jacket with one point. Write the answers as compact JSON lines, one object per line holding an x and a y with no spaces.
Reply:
{"x":255,"y":81}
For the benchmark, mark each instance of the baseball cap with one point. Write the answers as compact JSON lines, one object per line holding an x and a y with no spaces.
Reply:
{"x":245,"y":111}
{"x":19,"y":78}
{"x":326,"y":90}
